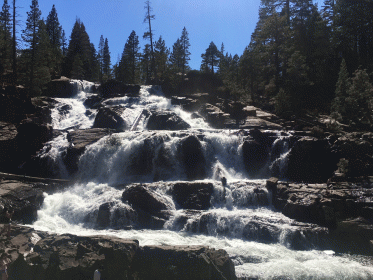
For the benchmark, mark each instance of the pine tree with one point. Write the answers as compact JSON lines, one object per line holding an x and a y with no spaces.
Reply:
{"x":360,"y":99}
{"x":29,"y":36}
{"x":338,"y":108}
{"x":176,"y":56}
{"x":161,"y":56}
{"x":210,"y":58}
{"x":54,"y":31}
{"x":80,"y":45}
{"x":5,"y":36}
{"x":184,"y":41}
{"x":63,"y":43}
{"x":129,"y":64}
{"x":100,"y":55}
{"x":146,"y":64}
{"x":106,"y":64}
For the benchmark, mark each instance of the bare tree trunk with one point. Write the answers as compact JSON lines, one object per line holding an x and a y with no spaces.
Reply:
{"x":14,"y":45}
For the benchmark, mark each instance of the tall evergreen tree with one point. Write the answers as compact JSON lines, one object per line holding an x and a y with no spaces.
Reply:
{"x":161,"y":56}
{"x":210,"y":58}
{"x":63,"y":43}
{"x":29,"y":36}
{"x":106,"y":63}
{"x":80,"y":45}
{"x":129,"y":64}
{"x":184,"y":41}
{"x":176,"y":56}
{"x":100,"y":55}
{"x":343,"y":84}
{"x":54,"y":31}
{"x":5,"y":36}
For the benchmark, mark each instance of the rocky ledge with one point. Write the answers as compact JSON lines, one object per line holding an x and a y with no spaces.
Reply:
{"x":39,"y":255}
{"x":346,"y":208}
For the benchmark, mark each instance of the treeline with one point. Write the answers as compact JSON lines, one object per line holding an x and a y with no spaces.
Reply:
{"x":301,"y":58}
{"x":297,"y":50}
{"x":46,"y":54}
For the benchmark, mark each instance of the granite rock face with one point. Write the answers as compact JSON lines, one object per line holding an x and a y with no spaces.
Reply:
{"x":73,"y":257}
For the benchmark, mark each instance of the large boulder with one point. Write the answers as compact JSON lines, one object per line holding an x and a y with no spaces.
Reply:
{"x":193,"y":195}
{"x":193,"y":159}
{"x":79,"y":140}
{"x":22,"y":197}
{"x":356,"y":150}
{"x":40,"y":255}
{"x":255,"y":155}
{"x":111,"y":117}
{"x":213,"y":115}
{"x":166,"y":120}
{"x":183,"y":263}
{"x":14,"y":107}
{"x":69,"y":256}
{"x":113,"y":88}
{"x":152,"y":208}
{"x":311,"y":160}
{"x":59,"y":88}
{"x":8,"y":146}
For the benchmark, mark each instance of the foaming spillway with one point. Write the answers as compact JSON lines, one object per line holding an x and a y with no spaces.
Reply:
{"x":201,"y":180}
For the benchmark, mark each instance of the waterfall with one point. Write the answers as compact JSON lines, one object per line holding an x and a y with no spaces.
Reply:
{"x":234,"y":213}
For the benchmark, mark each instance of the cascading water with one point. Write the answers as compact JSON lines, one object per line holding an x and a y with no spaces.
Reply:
{"x":263,"y":243}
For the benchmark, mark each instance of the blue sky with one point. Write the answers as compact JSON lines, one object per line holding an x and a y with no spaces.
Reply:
{"x":229,"y":21}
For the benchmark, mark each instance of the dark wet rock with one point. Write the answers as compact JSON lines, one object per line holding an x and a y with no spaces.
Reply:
{"x":183,"y":262}
{"x":166,"y":120}
{"x":353,"y":235}
{"x":255,"y":155}
{"x":193,"y":195}
{"x":151,"y":207}
{"x":59,"y":88}
{"x":80,"y":139}
{"x":356,"y":150}
{"x":22,"y":197}
{"x":213,"y":115}
{"x":70,"y":257}
{"x":311,"y":160}
{"x":31,"y":137}
{"x":324,"y":204}
{"x":193,"y":158}
{"x":93,"y":102}
{"x":113,"y":88}
{"x":39,"y":255}
{"x":8,"y":146}
{"x":110,"y":117}
{"x":14,"y":107}
{"x":103,"y":216}
{"x":146,"y":199}
{"x":142,"y":158}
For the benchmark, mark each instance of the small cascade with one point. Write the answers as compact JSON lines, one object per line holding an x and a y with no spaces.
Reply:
{"x":280,"y":150}
{"x":199,"y":181}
